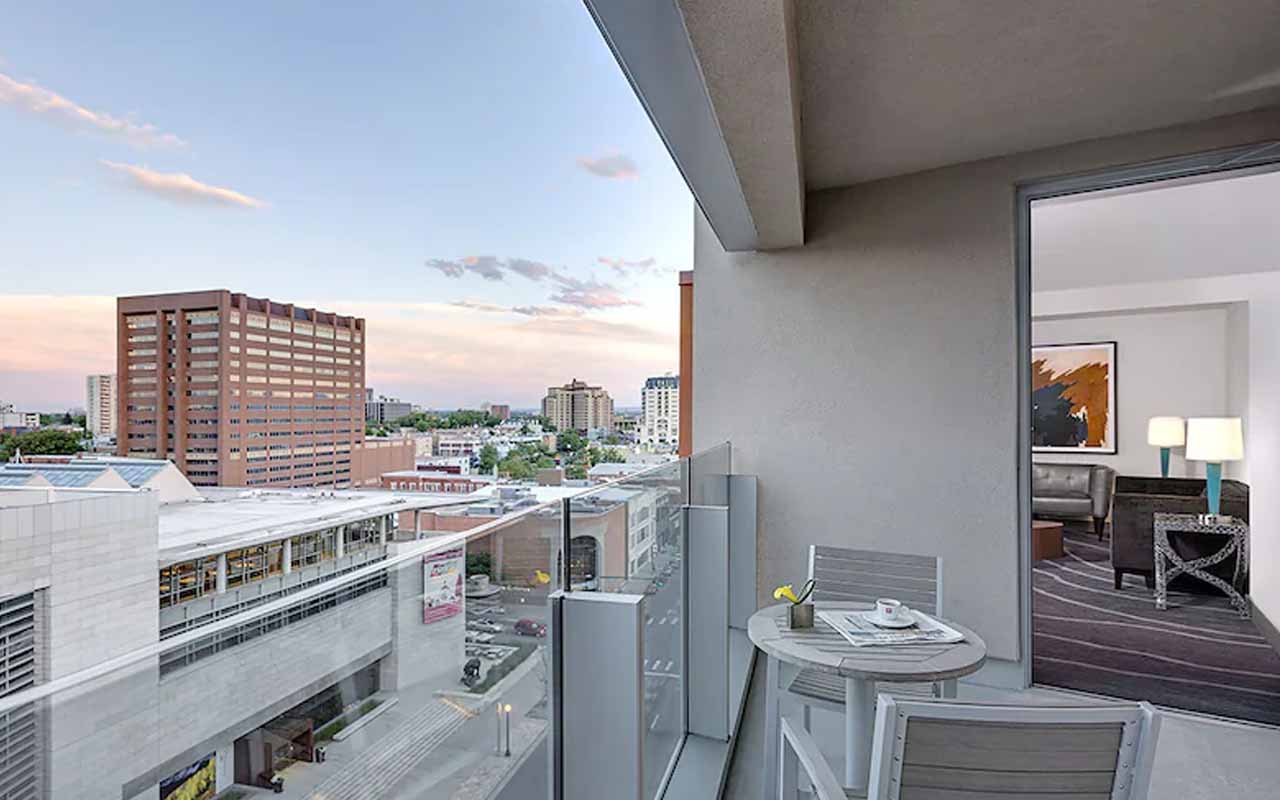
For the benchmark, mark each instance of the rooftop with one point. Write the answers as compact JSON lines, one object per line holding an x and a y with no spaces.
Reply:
{"x":230,"y":518}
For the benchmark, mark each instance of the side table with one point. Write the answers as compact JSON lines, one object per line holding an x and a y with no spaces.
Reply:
{"x":1236,"y":535}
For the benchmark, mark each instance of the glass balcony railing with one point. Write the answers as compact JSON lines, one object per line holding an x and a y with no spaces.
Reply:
{"x":425,"y":673}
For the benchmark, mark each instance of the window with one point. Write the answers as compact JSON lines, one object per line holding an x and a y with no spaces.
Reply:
{"x":202,"y":317}
{"x":256,"y":320}
{"x":140,"y":321}
{"x":278,"y":324}
{"x":188,"y":580}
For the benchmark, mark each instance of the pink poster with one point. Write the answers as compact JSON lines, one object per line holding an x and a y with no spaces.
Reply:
{"x":442,"y":585}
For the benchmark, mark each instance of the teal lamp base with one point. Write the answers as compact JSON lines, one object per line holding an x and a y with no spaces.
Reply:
{"x":1213,"y":489}
{"x":1164,"y":462}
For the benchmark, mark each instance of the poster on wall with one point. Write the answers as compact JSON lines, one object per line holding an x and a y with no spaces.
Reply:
{"x":196,"y":782}
{"x":441,"y":585}
{"x":1073,"y":398}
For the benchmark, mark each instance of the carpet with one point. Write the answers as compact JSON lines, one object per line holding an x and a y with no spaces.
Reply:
{"x":1198,"y":655}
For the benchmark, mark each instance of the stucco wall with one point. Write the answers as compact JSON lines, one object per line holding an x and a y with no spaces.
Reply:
{"x":869,"y":377}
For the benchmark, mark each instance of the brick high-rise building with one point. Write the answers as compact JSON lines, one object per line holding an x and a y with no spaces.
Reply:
{"x":578,"y":407}
{"x":242,"y":391}
{"x":100,"y":407}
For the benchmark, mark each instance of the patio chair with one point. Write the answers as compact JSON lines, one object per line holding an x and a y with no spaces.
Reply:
{"x":937,"y":749}
{"x":843,"y":574}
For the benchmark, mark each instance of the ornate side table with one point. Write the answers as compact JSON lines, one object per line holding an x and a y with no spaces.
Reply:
{"x":1236,"y":535}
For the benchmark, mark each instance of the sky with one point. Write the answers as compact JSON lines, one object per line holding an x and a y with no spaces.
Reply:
{"x":476,"y":179}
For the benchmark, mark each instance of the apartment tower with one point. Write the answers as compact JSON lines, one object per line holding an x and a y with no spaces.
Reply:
{"x":660,"y":406}
{"x":244,"y":391}
{"x":578,"y":407}
{"x":100,"y":404}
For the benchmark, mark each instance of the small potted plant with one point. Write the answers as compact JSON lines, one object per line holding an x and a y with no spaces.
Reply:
{"x":799,"y":613}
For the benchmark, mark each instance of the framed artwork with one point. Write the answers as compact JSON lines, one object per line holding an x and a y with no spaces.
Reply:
{"x":1073,"y":398}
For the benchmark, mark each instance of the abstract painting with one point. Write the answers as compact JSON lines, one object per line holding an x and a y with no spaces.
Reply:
{"x":1073,"y":398}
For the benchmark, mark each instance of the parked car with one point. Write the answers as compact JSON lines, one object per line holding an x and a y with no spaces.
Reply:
{"x":530,"y":627}
{"x":484,"y":625}
{"x":490,"y":611}
{"x":480,"y":638}
{"x":494,"y":653}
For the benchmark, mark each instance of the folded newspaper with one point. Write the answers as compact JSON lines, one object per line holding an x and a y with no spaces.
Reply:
{"x":862,"y":632}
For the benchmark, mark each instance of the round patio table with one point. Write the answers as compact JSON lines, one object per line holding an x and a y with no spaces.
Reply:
{"x":822,"y":648}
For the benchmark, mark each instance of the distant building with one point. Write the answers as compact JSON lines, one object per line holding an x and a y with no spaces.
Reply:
{"x":100,"y":404}
{"x":386,"y":409}
{"x":245,"y":391}
{"x":578,"y":407}
{"x":500,"y":410}
{"x":660,"y":409}
{"x":11,"y":419}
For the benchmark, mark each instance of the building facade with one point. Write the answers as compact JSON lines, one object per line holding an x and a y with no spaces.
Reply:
{"x":100,"y":404}
{"x":578,"y":407}
{"x":245,"y":391}
{"x":660,"y":409}
{"x":386,"y":409}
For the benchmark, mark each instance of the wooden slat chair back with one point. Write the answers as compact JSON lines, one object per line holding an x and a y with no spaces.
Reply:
{"x":935,"y":750}
{"x":844,"y":574}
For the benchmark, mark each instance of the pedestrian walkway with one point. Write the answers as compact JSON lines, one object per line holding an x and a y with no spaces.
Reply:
{"x":372,"y":774}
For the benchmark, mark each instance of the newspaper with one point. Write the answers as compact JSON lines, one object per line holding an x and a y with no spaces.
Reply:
{"x":861,"y":632}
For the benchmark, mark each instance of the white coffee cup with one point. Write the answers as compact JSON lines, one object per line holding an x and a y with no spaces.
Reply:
{"x":891,"y":610}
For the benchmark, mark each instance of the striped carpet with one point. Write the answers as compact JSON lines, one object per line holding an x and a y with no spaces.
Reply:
{"x":1198,"y":655}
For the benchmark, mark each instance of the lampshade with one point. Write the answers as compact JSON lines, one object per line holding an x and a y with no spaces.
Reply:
{"x":1167,"y":432}
{"x":1214,"y":439}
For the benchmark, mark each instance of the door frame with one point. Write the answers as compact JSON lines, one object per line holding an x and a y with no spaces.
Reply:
{"x":1240,"y":160}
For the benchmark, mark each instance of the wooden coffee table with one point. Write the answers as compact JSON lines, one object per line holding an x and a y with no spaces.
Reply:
{"x":1046,"y":540}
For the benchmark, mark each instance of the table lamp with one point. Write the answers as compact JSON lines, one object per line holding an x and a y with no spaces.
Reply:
{"x":1165,"y":433}
{"x":1214,"y":440}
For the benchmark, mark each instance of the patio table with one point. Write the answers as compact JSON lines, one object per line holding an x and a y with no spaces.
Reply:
{"x":822,"y":648}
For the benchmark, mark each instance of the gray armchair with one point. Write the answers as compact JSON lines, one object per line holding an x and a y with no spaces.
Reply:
{"x":1073,"y":490}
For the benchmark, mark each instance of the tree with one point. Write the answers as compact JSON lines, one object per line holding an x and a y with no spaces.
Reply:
{"x":479,"y":564}
{"x":575,"y":471}
{"x":516,"y":468}
{"x":608,"y":455}
{"x":39,"y":442}
{"x":569,"y":442}
{"x":488,"y":458}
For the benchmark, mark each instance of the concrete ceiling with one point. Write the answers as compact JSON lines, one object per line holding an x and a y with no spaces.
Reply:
{"x":761,"y":100}
{"x":890,"y":88}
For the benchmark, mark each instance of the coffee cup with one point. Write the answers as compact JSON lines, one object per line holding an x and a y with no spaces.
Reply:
{"x":890,"y":610}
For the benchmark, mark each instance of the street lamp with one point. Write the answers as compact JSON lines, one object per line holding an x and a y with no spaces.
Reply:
{"x":507,"y":711}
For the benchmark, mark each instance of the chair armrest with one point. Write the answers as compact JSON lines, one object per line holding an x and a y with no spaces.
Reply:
{"x":798,"y":741}
{"x":1102,"y":481}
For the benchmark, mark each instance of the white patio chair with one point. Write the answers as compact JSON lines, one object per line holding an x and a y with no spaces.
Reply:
{"x":843,"y":574}
{"x":930,"y":750}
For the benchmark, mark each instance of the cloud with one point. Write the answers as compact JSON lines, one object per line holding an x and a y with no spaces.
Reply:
{"x":623,"y":266}
{"x":614,"y":166}
{"x":181,"y":188}
{"x":39,"y":101}
{"x":570,"y":291}
{"x":524,"y":311}
{"x":490,"y":268}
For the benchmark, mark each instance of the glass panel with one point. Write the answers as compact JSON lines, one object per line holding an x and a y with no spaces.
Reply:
{"x":423,"y":648}
{"x":706,"y":471}
{"x":627,"y":538}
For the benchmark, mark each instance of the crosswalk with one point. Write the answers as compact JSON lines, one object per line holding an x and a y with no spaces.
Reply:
{"x":377,"y":770}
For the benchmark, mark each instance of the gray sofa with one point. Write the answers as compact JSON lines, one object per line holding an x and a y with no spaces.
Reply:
{"x":1072,"y":490}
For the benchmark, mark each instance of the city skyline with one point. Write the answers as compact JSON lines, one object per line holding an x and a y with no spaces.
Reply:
{"x":500,"y":224}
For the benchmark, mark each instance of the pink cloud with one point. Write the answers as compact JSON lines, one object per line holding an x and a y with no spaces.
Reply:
{"x":42,"y":102}
{"x":613,"y":166}
{"x":180,"y":187}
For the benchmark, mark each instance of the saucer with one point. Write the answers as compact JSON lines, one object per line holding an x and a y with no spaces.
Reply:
{"x":908,"y":620}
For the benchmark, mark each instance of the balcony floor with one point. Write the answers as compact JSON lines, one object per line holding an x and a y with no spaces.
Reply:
{"x":1198,"y":758}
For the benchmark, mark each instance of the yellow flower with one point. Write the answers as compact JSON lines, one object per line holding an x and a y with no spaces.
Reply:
{"x":787,"y":592}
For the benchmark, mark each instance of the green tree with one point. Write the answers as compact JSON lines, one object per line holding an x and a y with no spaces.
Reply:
{"x":569,"y":442}
{"x":575,"y":471}
{"x":39,"y":442}
{"x":516,"y":468}
{"x":607,"y":455}
{"x":479,"y":564}
{"x":488,"y":458}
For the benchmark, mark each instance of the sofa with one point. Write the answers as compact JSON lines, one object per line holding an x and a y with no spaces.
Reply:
{"x":1133,"y":524}
{"x":1072,"y":490}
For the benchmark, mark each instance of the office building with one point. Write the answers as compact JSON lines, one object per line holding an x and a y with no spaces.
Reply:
{"x":100,"y":404}
{"x":386,"y":409}
{"x":576,"y":406}
{"x":500,"y":410}
{"x":245,"y":391}
{"x":660,"y":409}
